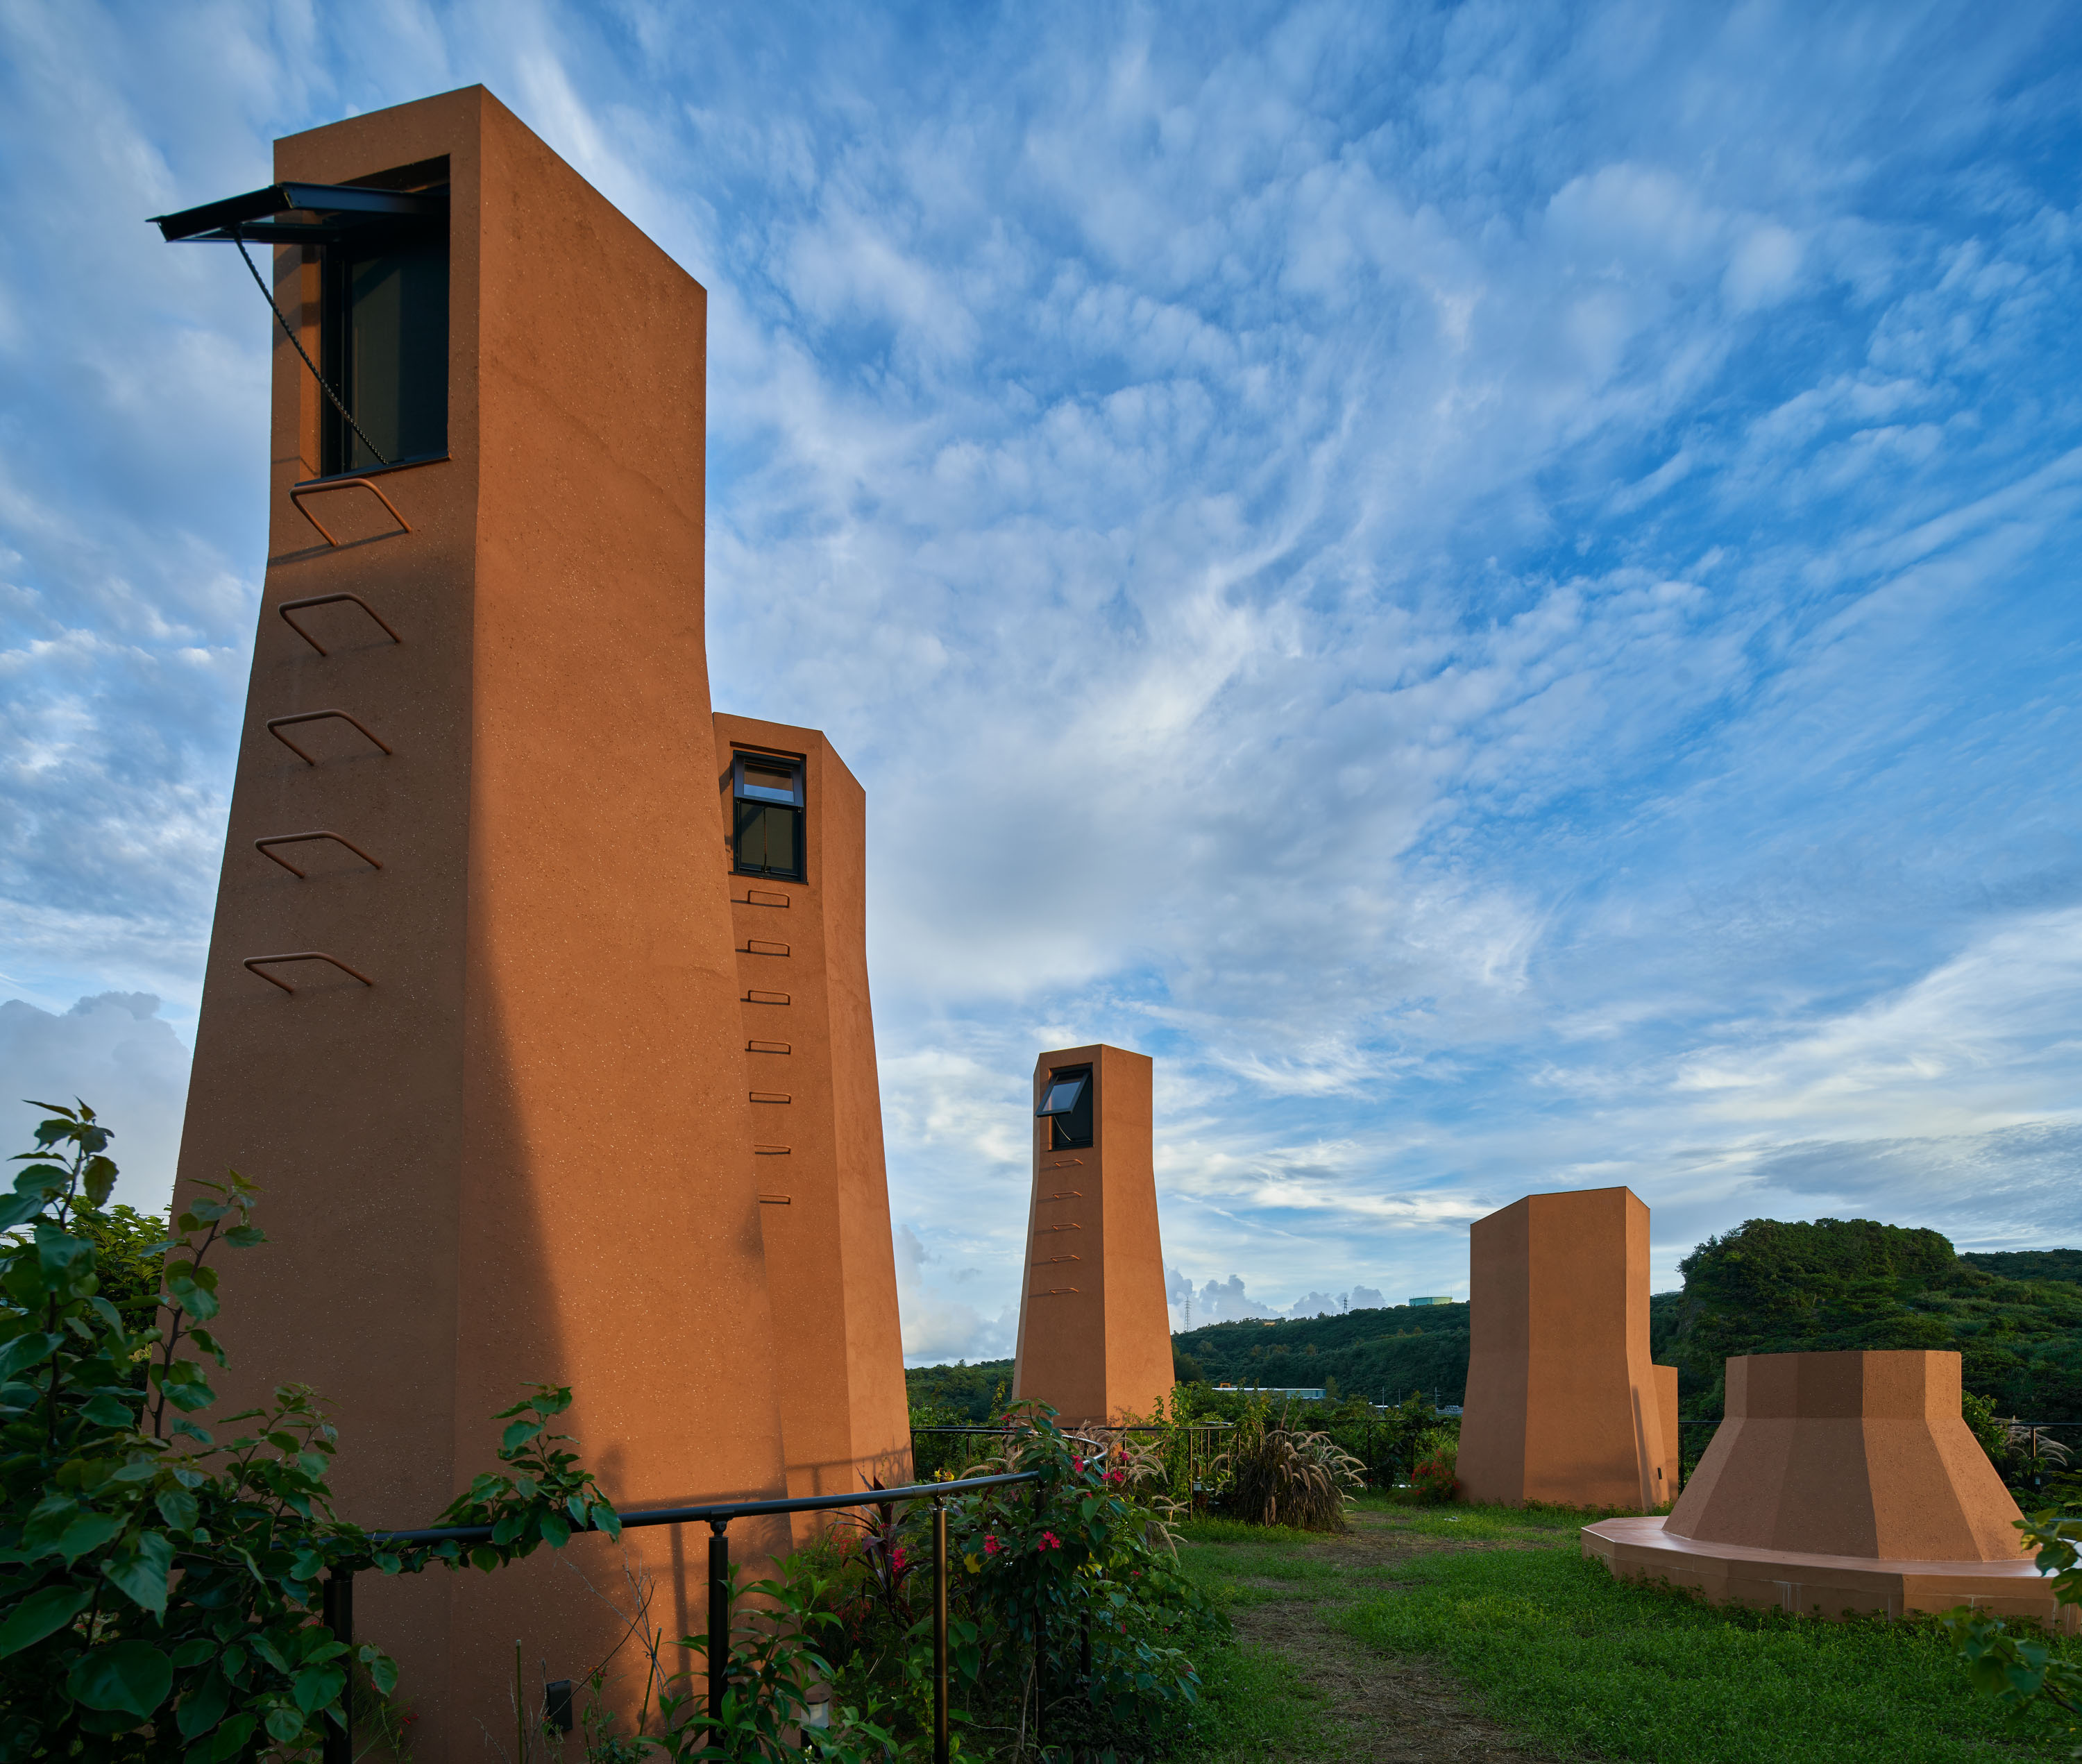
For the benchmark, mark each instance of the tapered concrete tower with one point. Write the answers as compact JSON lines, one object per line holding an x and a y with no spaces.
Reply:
{"x":1095,"y":1333}
{"x":796,"y":822}
{"x":475,"y":1029}
{"x":1563,"y":1405}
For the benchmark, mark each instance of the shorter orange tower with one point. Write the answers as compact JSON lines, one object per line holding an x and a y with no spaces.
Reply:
{"x":1094,"y":1332}
{"x":1563,"y":1404}
{"x":796,"y":825}
{"x":1838,"y":1483}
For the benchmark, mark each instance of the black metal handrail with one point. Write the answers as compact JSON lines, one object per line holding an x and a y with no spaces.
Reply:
{"x":339,"y":1586}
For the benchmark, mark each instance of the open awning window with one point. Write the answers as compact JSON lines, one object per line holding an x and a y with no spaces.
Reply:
{"x":382,"y":348}
{"x":299,"y":214}
{"x":1060,"y":1097}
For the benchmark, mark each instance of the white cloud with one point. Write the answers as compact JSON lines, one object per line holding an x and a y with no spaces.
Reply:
{"x":1495,"y":587}
{"x":114,"y":1052}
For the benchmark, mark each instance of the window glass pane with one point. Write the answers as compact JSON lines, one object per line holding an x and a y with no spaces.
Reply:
{"x":1061,"y":1096}
{"x":769,"y":839}
{"x":780,"y":841}
{"x":767,"y":780}
{"x":397,"y":351}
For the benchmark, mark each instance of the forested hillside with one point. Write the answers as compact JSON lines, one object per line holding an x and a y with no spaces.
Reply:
{"x":1382,"y":1355}
{"x":1765,"y":1288}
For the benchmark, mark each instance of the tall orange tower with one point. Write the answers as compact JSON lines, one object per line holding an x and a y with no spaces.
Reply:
{"x":797,"y":825}
{"x":471,"y":1013}
{"x":1563,"y":1404}
{"x":1094,"y":1332}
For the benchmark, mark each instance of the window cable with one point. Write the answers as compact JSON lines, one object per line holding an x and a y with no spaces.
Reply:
{"x":239,"y":239}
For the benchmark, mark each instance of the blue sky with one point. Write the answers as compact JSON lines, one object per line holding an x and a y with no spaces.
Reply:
{"x":1494,"y":585}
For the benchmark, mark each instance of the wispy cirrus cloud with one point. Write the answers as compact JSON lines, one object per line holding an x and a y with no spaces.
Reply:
{"x":1492,"y":584}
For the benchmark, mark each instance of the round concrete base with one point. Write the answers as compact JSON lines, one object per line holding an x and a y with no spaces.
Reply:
{"x":1832,"y":1586}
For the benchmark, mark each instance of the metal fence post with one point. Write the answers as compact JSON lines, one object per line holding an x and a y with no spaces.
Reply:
{"x":939,"y":1631}
{"x":339,"y":1616}
{"x":718,"y":1616}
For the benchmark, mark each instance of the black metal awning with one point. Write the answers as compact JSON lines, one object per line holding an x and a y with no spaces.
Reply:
{"x":298,"y":213}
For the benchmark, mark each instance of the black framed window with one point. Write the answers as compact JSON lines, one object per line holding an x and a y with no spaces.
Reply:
{"x":1066,"y":1105}
{"x":385,"y":307}
{"x":766,"y":835}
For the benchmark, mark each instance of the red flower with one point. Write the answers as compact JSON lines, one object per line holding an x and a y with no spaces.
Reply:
{"x":991,"y":1545}
{"x":1049,"y":1541}
{"x":898,"y":1559}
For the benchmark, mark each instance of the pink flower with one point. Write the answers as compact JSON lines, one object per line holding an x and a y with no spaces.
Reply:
{"x":991,"y":1545}
{"x":1049,"y":1541}
{"x":898,"y":1559}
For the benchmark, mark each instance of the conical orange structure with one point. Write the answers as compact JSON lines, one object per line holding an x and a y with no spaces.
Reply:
{"x":1840,"y":1483}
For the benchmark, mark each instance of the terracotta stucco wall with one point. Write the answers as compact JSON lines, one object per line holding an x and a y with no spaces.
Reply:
{"x":1094,"y":1332}
{"x":525,"y":1153}
{"x":816,"y":1107}
{"x":1563,"y":1404}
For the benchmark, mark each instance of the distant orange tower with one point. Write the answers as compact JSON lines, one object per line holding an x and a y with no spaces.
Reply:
{"x":1563,"y":1404}
{"x":1094,"y":1332}
{"x":796,"y":823}
{"x":471,"y":1013}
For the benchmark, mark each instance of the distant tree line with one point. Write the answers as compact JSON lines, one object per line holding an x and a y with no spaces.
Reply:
{"x":1765,"y":1288}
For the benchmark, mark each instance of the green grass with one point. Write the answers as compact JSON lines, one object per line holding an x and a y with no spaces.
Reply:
{"x":1212,"y":1529}
{"x":1253,"y":1705}
{"x":1551,"y":1645}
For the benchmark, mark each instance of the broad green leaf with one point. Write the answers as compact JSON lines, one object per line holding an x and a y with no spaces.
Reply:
{"x":130,"y":1678}
{"x":100,"y":1175}
{"x":40,"y":1179}
{"x":382,"y":1669}
{"x":194,"y":1651}
{"x":178,"y":1508}
{"x":555,"y":1531}
{"x":316,"y":1687}
{"x":107,"y":1409}
{"x":141,"y":1572}
{"x":516,"y":1435}
{"x":89,"y":1531}
{"x":27,"y":1350}
{"x":61,"y":1255}
{"x":284,"y":1723}
{"x":232,"y":1735}
{"x":44,"y":1612}
{"x":203,"y":1707}
{"x":17,"y":1207}
{"x":245,"y":1236}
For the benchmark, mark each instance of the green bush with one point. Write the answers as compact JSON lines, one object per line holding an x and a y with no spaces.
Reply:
{"x":2016,"y":1663}
{"x":1436,"y":1474}
{"x":1068,"y":1613}
{"x":160,"y":1589}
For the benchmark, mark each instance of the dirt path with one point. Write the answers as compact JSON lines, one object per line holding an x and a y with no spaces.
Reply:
{"x":1395,"y":1711}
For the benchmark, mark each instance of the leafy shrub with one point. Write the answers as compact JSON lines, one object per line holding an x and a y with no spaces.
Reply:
{"x":1435,"y":1476}
{"x":160,"y":1591}
{"x":1067,"y":1609}
{"x":2015,"y":1662}
{"x":1276,"y":1476}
